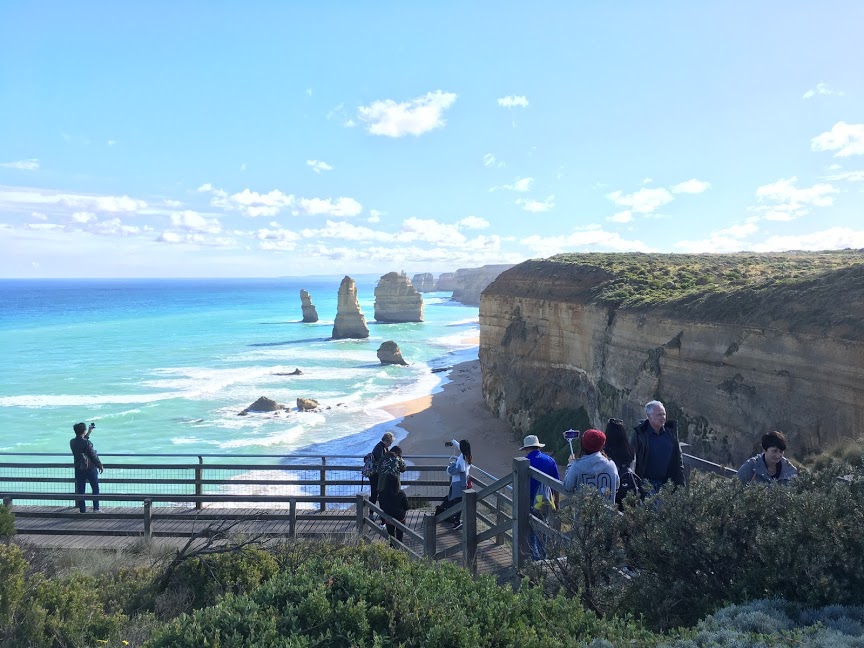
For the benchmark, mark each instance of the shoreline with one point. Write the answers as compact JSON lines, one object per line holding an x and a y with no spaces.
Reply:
{"x":457,"y":411}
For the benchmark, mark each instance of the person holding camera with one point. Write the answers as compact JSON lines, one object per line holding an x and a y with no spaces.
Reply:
{"x":87,"y":465}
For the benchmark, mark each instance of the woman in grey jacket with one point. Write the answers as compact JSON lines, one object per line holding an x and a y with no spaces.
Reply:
{"x":771,"y":465}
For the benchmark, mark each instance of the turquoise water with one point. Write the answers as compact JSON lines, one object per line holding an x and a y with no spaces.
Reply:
{"x":164,"y":366}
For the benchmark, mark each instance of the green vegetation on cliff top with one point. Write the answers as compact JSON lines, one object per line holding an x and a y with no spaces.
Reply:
{"x":818,"y":292}
{"x":642,"y":279}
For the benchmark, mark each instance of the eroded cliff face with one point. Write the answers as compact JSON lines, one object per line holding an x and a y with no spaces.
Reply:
{"x":470,"y":282}
{"x":396,"y":299}
{"x":545,"y":345}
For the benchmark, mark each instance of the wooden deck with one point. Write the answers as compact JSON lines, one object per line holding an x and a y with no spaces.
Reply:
{"x":117,"y":528}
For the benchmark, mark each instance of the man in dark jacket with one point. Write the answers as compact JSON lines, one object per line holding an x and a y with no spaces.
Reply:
{"x":378,"y":453}
{"x":658,"y":453}
{"x":87,"y":465}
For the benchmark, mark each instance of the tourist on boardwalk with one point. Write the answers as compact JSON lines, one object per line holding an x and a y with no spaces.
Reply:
{"x":392,"y":464}
{"x":658,"y":454}
{"x":458,"y":470}
{"x":378,"y":453}
{"x":619,"y":450}
{"x":771,"y":465}
{"x":87,"y":465}
{"x":593,"y":468}
{"x":394,"y":503}
{"x":545,"y":464}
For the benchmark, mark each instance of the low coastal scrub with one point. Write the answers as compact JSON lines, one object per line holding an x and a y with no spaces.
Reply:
{"x":683,"y":554}
{"x":715,"y":565}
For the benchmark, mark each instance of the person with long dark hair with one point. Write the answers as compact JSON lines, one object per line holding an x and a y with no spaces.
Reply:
{"x":459,"y":479}
{"x":394,"y":503}
{"x":622,"y":454}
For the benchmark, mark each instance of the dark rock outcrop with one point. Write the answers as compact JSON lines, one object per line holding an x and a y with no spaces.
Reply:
{"x":470,"y":282}
{"x":307,"y":404}
{"x":389,"y":353}
{"x":263,"y":404}
{"x":350,"y":322}
{"x":296,"y":372}
{"x":396,"y":299}
{"x":310,"y":314}
{"x":423,"y":282}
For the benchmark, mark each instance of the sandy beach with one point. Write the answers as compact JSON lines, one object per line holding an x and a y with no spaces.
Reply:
{"x":458,"y":412}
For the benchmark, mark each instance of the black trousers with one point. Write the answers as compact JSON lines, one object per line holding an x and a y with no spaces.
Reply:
{"x":373,"y":483}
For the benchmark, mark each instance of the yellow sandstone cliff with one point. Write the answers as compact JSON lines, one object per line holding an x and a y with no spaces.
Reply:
{"x":732,"y":353}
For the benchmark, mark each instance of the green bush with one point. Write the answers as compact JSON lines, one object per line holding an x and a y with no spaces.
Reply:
{"x":13,"y":567}
{"x":371,"y":596}
{"x":7,"y":523}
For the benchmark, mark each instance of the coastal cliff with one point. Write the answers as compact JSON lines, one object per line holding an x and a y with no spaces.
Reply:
{"x":734,"y":345}
{"x":470,"y":282}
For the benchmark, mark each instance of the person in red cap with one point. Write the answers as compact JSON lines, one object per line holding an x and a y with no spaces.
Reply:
{"x":593,"y":468}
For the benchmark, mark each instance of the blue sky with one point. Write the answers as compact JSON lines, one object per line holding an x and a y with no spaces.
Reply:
{"x":193,"y":139}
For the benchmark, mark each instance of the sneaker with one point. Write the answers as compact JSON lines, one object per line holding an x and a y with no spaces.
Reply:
{"x":97,"y":510}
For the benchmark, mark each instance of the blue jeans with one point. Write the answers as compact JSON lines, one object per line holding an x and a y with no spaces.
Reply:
{"x":81,"y":479}
{"x":537,"y":545}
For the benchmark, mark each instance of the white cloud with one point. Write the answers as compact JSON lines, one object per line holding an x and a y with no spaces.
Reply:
{"x":520,"y":184}
{"x":11,"y":197}
{"x":205,"y":187}
{"x":536,"y":206}
{"x":730,"y":239}
{"x":22,"y":165}
{"x":83,"y":217}
{"x":192,"y":220}
{"x":784,"y":201}
{"x":835,"y":238}
{"x":346,"y":231}
{"x":253,"y":203}
{"x":848,"y":176}
{"x":414,"y":117}
{"x":821,"y":89}
{"x":431,"y":231}
{"x":280,"y":239}
{"x":643,"y":201}
{"x":846,"y":139}
{"x":473,"y":222}
{"x":488,"y":160}
{"x":588,"y":239}
{"x":342,"y":207}
{"x":111,"y":142}
{"x":625,"y":216}
{"x":692,"y":186}
{"x":38,"y":216}
{"x":318,"y":166}
{"x":375,"y":216}
{"x":513,"y":101}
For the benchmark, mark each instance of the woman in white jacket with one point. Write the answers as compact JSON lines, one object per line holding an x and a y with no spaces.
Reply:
{"x":459,"y":480}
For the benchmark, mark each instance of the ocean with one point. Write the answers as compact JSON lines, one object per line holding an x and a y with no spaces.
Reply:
{"x":164,"y":366}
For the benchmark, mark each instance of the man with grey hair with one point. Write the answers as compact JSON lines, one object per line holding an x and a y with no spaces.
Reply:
{"x":658,"y":454}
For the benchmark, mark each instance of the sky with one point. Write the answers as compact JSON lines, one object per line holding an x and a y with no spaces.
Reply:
{"x":267,"y":139}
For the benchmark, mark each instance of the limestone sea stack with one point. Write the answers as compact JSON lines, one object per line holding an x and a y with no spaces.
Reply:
{"x":349,"y":322}
{"x":263,"y":404}
{"x":389,"y":353}
{"x":446,"y":281}
{"x":424,"y":282}
{"x":396,"y":300}
{"x":310,"y":314}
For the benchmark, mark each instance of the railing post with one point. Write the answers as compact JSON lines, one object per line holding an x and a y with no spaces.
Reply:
{"x":292,"y":518}
{"x":521,"y":510}
{"x":323,"y":505}
{"x":148,"y":519}
{"x":687,"y":468}
{"x":429,"y":536}
{"x":361,"y":512}
{"x":469,"y":530}
{"x":199,"y":487}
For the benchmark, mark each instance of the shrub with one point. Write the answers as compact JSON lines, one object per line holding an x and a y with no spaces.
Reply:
{"x":7,"y":523}
{"x":12,"y":569}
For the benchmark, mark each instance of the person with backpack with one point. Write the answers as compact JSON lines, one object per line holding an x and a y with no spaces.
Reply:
{"x":377,"y":453}
{"x":622,"y":454}
{"x":392,"y":464}
{"x":87,"y":465}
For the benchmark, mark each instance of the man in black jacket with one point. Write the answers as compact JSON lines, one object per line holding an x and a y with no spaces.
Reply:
{"x":658,"y":453}
{"x":87,"y":465}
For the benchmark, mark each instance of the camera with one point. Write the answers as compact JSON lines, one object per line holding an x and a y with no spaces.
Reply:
{"x":449,"y":444}
{"x":92,"y":425}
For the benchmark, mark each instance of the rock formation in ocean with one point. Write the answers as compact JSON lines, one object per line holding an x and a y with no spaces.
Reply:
{"x":350,"y":322}
{"x":296,"y":372}
{"x":424,"y":282}
{"x":446,"y":281}
{"x":307,"y":404}
{"x":396,"y":300}
{"x":263,"y":404}
{"x":310,"y":314}
{"x":470,"y":282}
{"x":389,"y":353}
{"x":734,"y":345}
